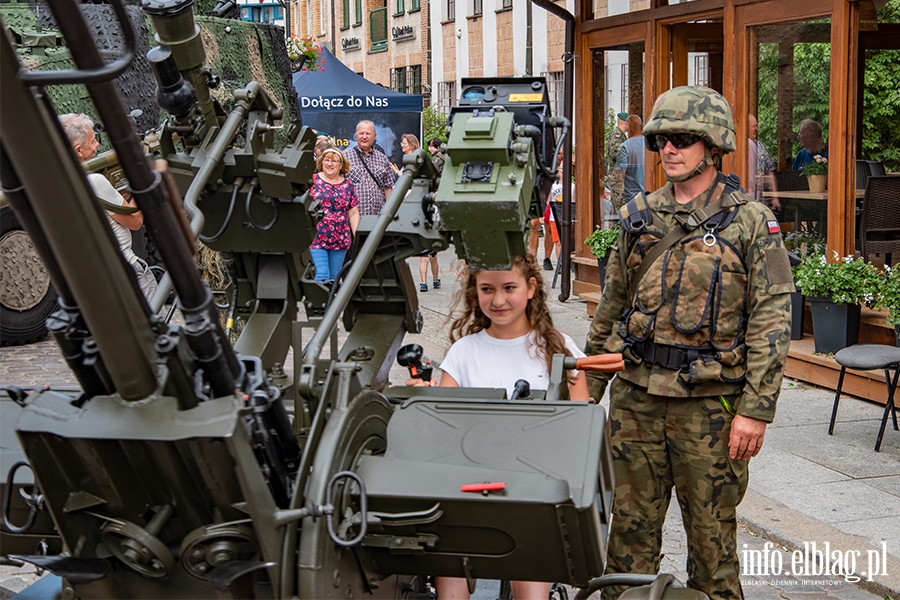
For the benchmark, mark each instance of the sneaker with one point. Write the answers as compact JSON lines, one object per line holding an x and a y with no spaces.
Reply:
{"x":423,"y":287}
{"x":548,"y":266}
{"x":437,"y":284}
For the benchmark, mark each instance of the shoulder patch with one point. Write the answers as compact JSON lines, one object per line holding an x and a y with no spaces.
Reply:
{"x":773,"y":226}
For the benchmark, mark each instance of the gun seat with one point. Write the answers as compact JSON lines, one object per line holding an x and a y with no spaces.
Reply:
{"x":549,"y":523}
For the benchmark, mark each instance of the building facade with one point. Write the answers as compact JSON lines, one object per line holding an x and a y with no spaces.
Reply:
{"x":495,"y":38}
{"x":266,"y":11}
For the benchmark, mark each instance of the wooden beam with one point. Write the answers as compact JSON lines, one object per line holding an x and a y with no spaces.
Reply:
{"x":673,"y":13}
{"x":842,"y":127}
{"x":734,"y":87}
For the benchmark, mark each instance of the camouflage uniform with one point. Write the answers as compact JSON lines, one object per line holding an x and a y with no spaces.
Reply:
{"x":722,"y":309}
{"x":613,"y":175}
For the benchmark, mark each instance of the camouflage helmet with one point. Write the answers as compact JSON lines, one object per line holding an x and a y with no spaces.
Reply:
{"x":692,"y":109}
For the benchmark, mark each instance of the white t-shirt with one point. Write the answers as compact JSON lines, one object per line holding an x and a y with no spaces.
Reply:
{"x":479,"y":360}
{"x":104,"y":190}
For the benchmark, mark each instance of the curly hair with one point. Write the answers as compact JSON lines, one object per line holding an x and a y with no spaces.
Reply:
{"x":471,"y":320}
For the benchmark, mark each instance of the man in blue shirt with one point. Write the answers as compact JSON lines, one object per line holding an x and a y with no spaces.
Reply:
{"x":810,"y":135}
{"x":630,"y":160}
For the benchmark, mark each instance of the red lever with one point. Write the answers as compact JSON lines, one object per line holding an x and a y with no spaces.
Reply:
{"x":488,"y":486}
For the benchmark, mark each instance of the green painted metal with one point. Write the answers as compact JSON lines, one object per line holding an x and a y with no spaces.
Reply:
{"x":185,"y":490}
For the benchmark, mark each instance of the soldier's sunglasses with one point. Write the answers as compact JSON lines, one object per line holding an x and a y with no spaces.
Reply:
{"x":679,"y":141}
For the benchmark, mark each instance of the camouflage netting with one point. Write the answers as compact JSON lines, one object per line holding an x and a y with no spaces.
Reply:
{"x":248,"y":51}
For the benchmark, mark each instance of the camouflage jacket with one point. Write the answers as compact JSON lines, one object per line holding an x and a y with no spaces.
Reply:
{"x":729,"y":299}
{"x":612,"y":151}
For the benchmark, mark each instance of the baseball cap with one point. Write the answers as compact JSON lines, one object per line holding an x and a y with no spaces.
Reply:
{"x":623,"y":116}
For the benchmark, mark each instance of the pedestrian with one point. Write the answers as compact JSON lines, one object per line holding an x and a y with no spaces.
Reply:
{"x":370,"y":170}
{"x":551,"y":230}
{"x":438,"y":158}
{"x":504,"y":313}
{"x":761,"y":168}
{"x":702,"y":312}
{"x":613,"y":176}
{"x":409,"y":144}
{"x":340,"y":217}
{"x":80,"y":130}
{"x":630,"y":159}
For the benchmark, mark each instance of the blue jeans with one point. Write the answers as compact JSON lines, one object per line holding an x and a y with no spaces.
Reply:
{"x":328,"y":263}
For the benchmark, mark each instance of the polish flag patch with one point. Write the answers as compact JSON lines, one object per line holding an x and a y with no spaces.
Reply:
{"x":773,"y":227}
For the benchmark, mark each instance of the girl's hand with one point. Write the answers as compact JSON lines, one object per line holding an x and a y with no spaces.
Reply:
{"x":416,"y":382}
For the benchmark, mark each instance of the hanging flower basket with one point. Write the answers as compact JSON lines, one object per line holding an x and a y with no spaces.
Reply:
{"x":305,"y":54}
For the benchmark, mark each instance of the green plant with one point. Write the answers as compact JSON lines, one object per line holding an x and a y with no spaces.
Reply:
{"x":434,"y":124}
{"x":819,"y":166}
{"x":890,"y":294}
{"x":848,"y":280}
{"x":304,"y":53}
{"x":601,"y":240}
{"x":803,"y":243}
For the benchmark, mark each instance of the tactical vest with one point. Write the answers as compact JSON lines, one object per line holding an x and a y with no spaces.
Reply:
{"x":689,"y":311}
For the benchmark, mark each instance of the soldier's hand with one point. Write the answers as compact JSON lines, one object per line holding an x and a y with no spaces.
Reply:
{"x":746,"y":437}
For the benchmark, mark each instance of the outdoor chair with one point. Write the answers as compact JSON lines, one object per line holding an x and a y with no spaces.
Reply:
{"x":862,"y":173}
{"x":876,"y":169}
{"x":865,"y":357}
{"x":880,"y":227}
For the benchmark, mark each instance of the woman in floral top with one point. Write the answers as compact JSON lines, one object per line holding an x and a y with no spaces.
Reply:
{"x":340,"y":214}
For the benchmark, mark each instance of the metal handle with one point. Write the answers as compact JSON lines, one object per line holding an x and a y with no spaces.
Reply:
{"x":329,"y":509}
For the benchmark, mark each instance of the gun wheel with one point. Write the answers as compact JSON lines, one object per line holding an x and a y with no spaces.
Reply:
{"x":326,"y":570}
{"x":138,"y":549}
{"x":207,"y":547}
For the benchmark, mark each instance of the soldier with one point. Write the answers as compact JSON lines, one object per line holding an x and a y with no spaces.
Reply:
{"x":613,"y":175}
{"x":697,"y":299}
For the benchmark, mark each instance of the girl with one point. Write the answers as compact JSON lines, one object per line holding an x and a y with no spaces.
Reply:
{"x":341,"y":215}
{"x":505,"y":333}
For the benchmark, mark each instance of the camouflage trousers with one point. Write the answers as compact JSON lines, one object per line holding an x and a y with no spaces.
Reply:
{"x":660,"y":442}
{"x":617,"y":189}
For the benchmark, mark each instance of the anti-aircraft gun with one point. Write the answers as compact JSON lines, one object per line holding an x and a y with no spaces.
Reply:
{"x":180,"y":469}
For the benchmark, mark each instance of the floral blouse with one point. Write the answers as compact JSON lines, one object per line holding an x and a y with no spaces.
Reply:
{"x":334,"y":226}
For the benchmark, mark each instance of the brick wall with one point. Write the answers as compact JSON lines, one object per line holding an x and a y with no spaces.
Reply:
{"x":556,"y":41}
{"x":506,"y":66}
{"x":476,"y":47}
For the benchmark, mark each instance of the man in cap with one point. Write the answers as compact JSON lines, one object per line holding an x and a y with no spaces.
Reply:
{"x":613,"y":175}
{"x":697,"y":299}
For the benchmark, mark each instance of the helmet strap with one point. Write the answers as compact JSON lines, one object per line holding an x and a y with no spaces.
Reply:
{"x":708,"y":159}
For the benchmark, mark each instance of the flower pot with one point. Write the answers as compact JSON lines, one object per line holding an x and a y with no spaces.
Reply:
{"x":601,"y":266}
{"x":835,"y":326}
{"x":798,"y":310}
{"x":817,"y":183}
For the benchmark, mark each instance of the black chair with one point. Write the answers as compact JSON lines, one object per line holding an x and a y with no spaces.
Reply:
{"x":880,"y":228}
{"x":876,"y":169}
{"x":862,"y":173}
{"x":791,"y":181}
{"x":865,"y":357}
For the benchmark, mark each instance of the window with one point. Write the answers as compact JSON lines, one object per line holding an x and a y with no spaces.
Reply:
{"x":446,"y":96}
{"x":345,"y":10}
{"x":701,"y":69}
{"x":322,"y":9}
{"x":507,"y":3}
{"x":555,"y":91}
{"x":625,"y":86}
{"x":358,"y":16}
{"x":398,"y":80}
{"x":245,"y":14}
{"x":414,"y":79}
{"x":477,"y":7}
{"x":451,"y":10}
{"x":378,"y":30}
{"x":399,"y":7}
{"x":414,"y":5}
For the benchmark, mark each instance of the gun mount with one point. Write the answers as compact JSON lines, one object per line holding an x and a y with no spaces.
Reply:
{"x":179,"y":470}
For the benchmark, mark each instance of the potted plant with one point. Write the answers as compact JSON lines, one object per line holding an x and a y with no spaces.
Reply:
{"x":816,"y":173}
{"x":836,"y":291}
{"x":890,"y":297}
{"x":800,"y":244}
{"x":304,"y":54}
{"x":600,"y":242}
